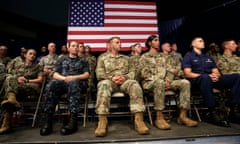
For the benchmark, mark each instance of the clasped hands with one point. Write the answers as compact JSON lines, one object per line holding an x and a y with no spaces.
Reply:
{"x":118,"y":80}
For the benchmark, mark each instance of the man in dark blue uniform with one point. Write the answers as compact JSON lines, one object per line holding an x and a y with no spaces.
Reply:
{"x":203,"y":73}
{"x":70,"y":76}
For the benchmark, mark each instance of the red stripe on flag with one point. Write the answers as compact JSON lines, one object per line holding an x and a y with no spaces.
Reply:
{"x":130,"y":3}
{"x":129,"y":10}
{"x":132,"y":17}
{"x":121,"y":14}
{"x":129,"y":25}
{"x":108,"y":32}
{"x":105,"y":40}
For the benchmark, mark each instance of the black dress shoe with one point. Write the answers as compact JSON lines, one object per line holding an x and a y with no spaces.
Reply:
{"x":235,"y":118}
{"x":217,"y":120}
{"x":66,"y":130}
{"x":46,"y":130}
{"x":222,"y":123}
{"x":71,"y":127}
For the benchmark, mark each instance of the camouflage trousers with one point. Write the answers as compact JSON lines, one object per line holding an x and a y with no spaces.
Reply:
{"x":158,"y":88}
{"x":56,"y":88}
{"x":130,"y":87}
{"x":184,"y":88}
{"x":22,"y":90}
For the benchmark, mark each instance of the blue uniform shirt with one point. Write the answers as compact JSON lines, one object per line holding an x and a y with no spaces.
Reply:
{"x":71,"y":66}
{"x":202,"y":64}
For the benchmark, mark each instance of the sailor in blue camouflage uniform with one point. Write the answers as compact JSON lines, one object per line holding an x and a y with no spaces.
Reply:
{"x":70,"y":76}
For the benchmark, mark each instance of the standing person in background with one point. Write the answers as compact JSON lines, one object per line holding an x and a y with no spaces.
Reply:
{"x":175,"y":52}
{"x":64,"y":51}
{"x":3,"y":55}
{"x":48,"y":61}
{"x":92,"y":61}
{"x":214,"y":51}
{"x":18,"y":61}
{"x":43,"y":52}
{"x":136,"y":50}
{"x":2,"y":77}
{"x":81,"y":52}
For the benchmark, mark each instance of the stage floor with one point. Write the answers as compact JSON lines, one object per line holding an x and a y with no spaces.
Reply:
{"x":121,"y":131}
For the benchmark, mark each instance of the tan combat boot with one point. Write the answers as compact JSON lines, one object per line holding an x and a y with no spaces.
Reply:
{"x":11,"y":102}
{"x":101,"y":130}
{"x":140,"y":126}
{"x":5,"y":125}
{"x":160,"y":122}
{"x":184,"y":120}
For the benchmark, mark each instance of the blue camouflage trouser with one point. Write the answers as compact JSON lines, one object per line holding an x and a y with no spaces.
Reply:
{"x":56,"y":88}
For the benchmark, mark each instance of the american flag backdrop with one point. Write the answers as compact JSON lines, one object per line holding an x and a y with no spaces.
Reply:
{"x":93,"y":22}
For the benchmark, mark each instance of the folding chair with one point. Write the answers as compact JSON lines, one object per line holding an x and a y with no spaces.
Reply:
{"x":170,"y":101}
{"x":62,"y":107}
{"x":197,"y":101}
{"x":30,"y":105}
{"x":119,"y":103}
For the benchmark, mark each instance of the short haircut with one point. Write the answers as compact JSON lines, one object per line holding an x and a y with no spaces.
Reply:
{"x":112,"y":38}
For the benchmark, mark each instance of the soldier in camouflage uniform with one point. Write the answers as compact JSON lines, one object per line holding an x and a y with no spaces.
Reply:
{"x":134,"y":59}
{"x":175,"y":52}
{"x":64,"y":51}
{"x":161,"y":72}
{"x":27,"y":78}
{"x":174,"y":75}
{"x":48,"y":61}
{"x":2,"y":77}
{"x":16,"y":62}
{"x":114,"y":74}
{"x":92,"y":65}
{"x":229,"y":63}
{"x":3,"y":55}
{"x":81,"y":52}
{"x":214,"y":51}
{"x":70,"y":76}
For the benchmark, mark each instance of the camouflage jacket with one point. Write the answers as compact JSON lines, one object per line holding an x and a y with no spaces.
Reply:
{"x":159,"y":66}
{"x":134,"y":63}
{"x":2,"y":73}
{"x":15,"y":64}
{"x":229,"y":64}
{"x":28,"y":71}
{"x":92,"y":62}
{"x":173,"y":67}
{"x":109,"y":66}
{"x":48,"y":61}
{"x":152,"y":66}
{"x":5,"y":60}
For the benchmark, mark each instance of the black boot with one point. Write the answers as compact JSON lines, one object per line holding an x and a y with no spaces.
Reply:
{"x":72,"y":126}
{"x":234,"y":116}
{"x":5,"y":122}
{"x":47,"y":127}
{"x":217,"y":119}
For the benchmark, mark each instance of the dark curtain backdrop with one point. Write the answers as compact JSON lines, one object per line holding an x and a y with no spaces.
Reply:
{"x":214,"y":25}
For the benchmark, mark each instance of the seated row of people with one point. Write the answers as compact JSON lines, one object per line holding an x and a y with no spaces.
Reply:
{"x":153,"y":71}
